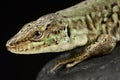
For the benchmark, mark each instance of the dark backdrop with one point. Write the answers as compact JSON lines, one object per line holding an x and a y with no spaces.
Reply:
{"x":14,"y":14}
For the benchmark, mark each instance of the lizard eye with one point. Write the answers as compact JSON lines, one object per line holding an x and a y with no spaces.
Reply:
{"x":37,"y":33}
{"x":37,"y":36}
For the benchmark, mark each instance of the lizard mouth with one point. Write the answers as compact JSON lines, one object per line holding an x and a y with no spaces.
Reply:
{"x":29,"y":47}
{"x":25,"y":47}
{"x":16,"y":47}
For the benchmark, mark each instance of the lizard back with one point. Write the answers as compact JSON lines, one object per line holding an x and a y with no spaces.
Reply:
{"x":97,"y":16}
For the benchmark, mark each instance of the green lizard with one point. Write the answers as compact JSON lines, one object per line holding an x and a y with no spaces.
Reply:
{"x":92,"y":23}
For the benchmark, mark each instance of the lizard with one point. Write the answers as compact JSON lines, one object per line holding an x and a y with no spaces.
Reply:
{"x":94,"y":24}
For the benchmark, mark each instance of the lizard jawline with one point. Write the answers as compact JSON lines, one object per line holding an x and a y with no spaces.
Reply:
{"x":53,"y":48}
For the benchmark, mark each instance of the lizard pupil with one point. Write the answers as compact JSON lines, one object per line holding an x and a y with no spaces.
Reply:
{"x":37,"y":33}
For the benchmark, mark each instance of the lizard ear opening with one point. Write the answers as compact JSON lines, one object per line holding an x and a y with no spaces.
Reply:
{"x":68,"y":31}
{"x":37,"y":35}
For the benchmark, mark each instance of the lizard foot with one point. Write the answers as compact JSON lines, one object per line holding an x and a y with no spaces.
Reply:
{"x":61,"y":62}
{"x":70,"y":62}
{"x":69,"y":65}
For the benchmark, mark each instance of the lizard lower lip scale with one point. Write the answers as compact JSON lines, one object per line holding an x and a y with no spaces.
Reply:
{"x":91,"y":23}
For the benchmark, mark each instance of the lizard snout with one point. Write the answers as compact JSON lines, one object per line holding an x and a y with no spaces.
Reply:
{"x":10,"y":44}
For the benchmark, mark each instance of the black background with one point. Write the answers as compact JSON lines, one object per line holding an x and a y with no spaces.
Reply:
{"x":14,"y":14}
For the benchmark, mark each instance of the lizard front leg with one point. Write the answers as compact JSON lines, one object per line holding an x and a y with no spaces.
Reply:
{"x":102,"y":46}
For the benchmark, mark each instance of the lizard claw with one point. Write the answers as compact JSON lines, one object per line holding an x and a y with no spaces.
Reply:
{"x":59,"y":63}
{"x":53,"y":70}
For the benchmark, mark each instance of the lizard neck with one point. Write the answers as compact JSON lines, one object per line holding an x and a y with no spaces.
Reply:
{"x":77,"y":31}
{"x":83,"y":29}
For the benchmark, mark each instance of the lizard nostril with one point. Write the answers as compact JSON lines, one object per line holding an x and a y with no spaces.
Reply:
{"x":10,"y":44}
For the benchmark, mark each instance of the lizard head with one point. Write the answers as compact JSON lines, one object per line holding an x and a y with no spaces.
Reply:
{"x":49,"y":33}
